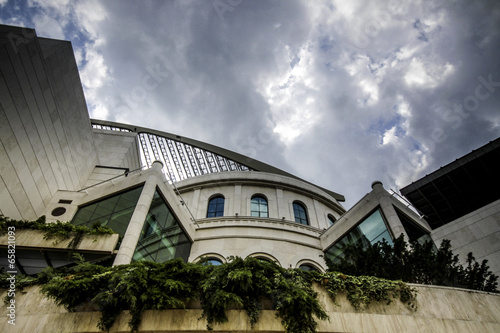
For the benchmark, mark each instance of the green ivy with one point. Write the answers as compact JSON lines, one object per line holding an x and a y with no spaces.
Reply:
{"x":58,"y":230}
{"x":362,"y":290}
{"x":238,"y":284}
{"x":244,"y":283}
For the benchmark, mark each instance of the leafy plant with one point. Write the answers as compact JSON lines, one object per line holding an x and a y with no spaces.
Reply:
{"x":244,"y":283}
{"x":296,"y":301}
{"x":59,"y":230}
{"x":238,"y":284}
{"x":415,"y":263}
{"x":363,"y":290}
{"x":136,"y":287}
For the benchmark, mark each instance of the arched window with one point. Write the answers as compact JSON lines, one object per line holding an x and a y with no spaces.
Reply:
{"x":216,"y":206}
{"x":331,"y":219}
{"x":308,"y":267}
{"x":212,"y":262}
{"x":299,"y":211}
{"x":259,"y":206}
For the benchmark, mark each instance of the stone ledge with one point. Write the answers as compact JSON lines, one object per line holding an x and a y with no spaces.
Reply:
{"x":30,"y":239}
{"x":439,"y":310}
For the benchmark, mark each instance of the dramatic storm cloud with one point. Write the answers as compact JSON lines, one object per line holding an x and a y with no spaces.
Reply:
{"x":340,"y":93}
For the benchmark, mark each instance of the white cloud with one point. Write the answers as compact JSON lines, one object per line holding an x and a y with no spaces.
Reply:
{"x":292,"y":100}
{"x":48,"y":27}
{"x":3,"y":2}
{"x":89,"y":14}
{"x":370,"y":87}
{"x":79,"y":57}
{"x":99,"y":112}
{"x":95,"y":71}
{"x":57,"y":4}
{"x":389,"y":136}
{"x":346,"y":85}
{"x":426,"y":75}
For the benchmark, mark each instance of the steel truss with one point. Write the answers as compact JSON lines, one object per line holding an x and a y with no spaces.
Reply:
{"x":180,"y":160}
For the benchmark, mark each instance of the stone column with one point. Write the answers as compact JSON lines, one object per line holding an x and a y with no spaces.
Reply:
{"x":383,"y":197}
{"x":282,"y":206}
{"x":131,"y":237}
{"x":237,"y":202}
{"x":195,"y":203}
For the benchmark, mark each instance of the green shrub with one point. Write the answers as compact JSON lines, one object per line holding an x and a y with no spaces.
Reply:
{"x":415,"y":262}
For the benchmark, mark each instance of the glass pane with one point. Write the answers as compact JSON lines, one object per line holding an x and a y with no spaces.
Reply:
{"x":161,"y":238}
{"x":259,"y":207}
{"x":307,"y":267}
{"x":114,"y":212}
{"x":83,"y":215}
{"x":216,"y":207}
{"x":300,"y":213}
{"x":212,"y":261}
{"x":369,"y":231}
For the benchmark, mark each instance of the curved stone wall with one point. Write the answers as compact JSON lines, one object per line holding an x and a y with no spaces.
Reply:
{"x":277,"y":237}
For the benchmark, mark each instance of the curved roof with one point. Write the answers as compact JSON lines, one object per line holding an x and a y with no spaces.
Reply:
{"x":240,"y":162}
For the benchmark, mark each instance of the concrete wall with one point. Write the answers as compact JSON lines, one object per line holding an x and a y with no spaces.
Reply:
{"x":117,"y":149}
{"x":288,"y":243}
{"x":439,"y":310}
{"x":46,"y":141}
{"x":477,"y":232}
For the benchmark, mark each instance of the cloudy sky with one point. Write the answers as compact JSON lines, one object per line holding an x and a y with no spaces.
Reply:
{"x":340,"y":93}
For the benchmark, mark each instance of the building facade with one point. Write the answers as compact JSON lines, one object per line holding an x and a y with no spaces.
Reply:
{"x":168,"y":196}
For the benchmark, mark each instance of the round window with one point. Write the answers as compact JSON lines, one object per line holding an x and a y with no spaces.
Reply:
{"x":58,"y":211}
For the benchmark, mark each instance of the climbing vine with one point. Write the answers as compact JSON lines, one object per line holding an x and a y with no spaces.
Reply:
{"x":362,"y":290}
{"x":238,"y":284}
{"x":246,"y":282}
{"x":56,"y":230}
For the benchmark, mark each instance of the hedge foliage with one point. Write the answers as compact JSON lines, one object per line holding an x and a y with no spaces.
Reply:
{"x":415,"y":262}
{"x":237,"y":284}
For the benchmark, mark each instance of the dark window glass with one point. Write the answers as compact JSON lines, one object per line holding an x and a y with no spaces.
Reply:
{"x":259,"y":207}
{"x":114,"y":212}
{"x":370,"y":231}
{"x":331,"y":219}
{"x":308,"y":267}
{"x":212,"y":261}
{"x":162,"y":237}
{"x":300,"y":213}
{"x":216,"y":206}
{"x":413,"y":230}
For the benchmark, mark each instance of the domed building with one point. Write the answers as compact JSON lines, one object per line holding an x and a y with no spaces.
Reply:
{"x":170,"y":197}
